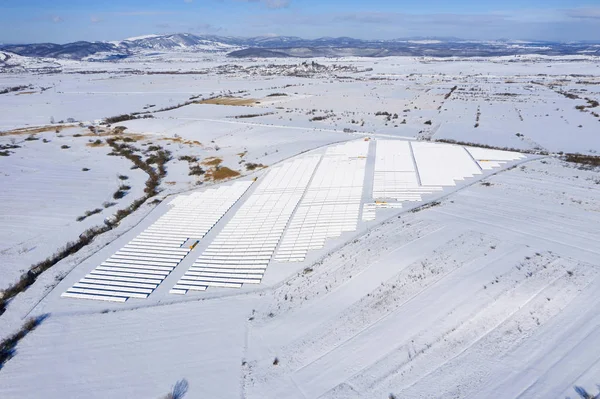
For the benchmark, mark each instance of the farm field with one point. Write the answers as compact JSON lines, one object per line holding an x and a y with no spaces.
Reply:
{"x":351,"y":228}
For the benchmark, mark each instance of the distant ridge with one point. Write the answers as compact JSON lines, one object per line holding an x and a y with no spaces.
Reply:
{"x":291,"y":46}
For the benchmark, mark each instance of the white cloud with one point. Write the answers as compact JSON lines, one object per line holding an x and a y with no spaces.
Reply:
{"x":277,"y":3}
{"x":583,"y":13}
{"x":57,"y":19}
{"x":273,"y":4}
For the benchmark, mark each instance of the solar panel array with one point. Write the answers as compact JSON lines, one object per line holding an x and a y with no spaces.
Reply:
{"x":369,"y":212}
{"x":443,"y":164}
{"x":370,"y":209}
{"x":396,"y":174}
{"x":140,"y":266}
{"x":309,"y":198}
{"x":489,"y":159}
{"x":242,"y":250}
{"x":331,"y":205}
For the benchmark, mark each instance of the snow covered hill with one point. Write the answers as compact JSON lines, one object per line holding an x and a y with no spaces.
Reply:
{"x":290,"y":46}
{"x":179,"y":41}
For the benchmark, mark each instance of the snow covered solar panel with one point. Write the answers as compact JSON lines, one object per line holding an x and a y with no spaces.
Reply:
{"x":405,"y":171}
{"x":396,"y":176}
{"x":489,"y":159}
{"x":443,"y":164}
{"x":369,"y":212}
{"x":331,"y":205}
{"x":140,"y":266}
{"x":493,"y":155}
{"x":249,"y":239}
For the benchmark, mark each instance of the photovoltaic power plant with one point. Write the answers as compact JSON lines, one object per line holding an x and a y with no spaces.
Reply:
{"x":293,"y":209}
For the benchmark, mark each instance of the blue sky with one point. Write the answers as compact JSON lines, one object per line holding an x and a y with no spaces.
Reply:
{"x":70,"y":20}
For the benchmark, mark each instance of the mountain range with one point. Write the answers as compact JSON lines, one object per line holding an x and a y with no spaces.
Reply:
{"x":289,"y":46}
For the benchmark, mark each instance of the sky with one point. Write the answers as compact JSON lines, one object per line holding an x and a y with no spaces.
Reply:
{"x":62,"y":21}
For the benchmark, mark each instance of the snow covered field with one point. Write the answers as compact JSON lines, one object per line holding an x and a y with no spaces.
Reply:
{"x":350,"y":289}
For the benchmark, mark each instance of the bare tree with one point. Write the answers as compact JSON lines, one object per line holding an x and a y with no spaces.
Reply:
{"x":179,"y":390}
{"x":583,"y":394}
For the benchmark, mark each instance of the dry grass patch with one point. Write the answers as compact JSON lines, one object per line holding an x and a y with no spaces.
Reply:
{"x":132,"y":137}
{"x":121,"y":135}
{"x":97,"y":143}
{"x":229,"y":101}
{"x":221,"y":173}
{"x":212,"y":161}
{"x":34,"y":130}
{"x":179,"y":140}
{"x":26,"y":92}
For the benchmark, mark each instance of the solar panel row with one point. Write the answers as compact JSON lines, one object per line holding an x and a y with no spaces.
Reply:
{"x":140,"y":266}
{"x":242,"y":250}
{"x":396,"y":175}
{"x":405,"y":171}
{"x":331,"y":205}
{"x":489,"y":159}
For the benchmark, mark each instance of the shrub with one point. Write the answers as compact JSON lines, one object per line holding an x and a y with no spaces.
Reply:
{"x":249,"y":116}
{"x":188,"y":158}
{"x":95,"y":211}
{"x":196,"y":170}
{"x":426,"y":206}
{"x":4,"y":153}
{"x":123,"y":177}
{"x":428,"y":122}
{"x":119,"y":118}
{"x":15,"y":88}
{"x":160,"y":158}
{"x":64,"y":146}
{"x":275,"y":362}
{"x":7,"y":346}
{"x":28,"y":278}
{"x":108,"y":204}
{"x":124,"y":187}
{"x":252,"y":166}
{"x":119,"y":194}
{"x":32,"y":137}
{"x":589,"y":160}
{"x":85,"y":169}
